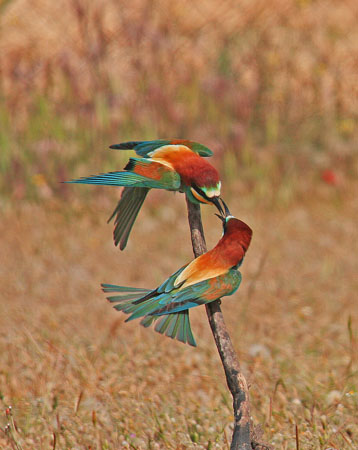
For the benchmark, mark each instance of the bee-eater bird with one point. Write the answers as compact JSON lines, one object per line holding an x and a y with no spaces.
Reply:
{"x":207,"y":278}
{"x":174,"y":165}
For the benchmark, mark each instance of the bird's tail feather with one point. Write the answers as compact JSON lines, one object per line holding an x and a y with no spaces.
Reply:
{"x":175,"y":325}
{"x":126,"y":213}
{"x":115,"y":288}
{"x":127,"y":295}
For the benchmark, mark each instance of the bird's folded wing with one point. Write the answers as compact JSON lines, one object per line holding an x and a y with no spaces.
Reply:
{"x":198,"y":294}
{"x":143,"y":148}
{"x":168,"y":284}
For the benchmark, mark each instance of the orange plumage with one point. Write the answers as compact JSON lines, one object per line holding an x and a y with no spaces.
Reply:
{"x":226,"y":254}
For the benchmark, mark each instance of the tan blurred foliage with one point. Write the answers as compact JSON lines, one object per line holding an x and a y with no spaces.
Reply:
{"x":289,"y":60}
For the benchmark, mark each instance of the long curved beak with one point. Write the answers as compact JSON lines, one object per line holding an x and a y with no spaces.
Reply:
{"x":216,"y":202}
{"x":227,"y":211}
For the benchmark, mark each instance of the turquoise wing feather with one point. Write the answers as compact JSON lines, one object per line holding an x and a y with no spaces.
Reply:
{"x":137,"y":178}
{"x":199,"y":294}
{"x":126,"y":212}
{"x":174,"y":325}
{"x":170,"y":182}
{"x":201,"y":149}
{"x":170,"y":309}
{"x":143,"y":148}
{"x":107,"y":288}
{"x":168,"y":305}
{"x":168,"y":284}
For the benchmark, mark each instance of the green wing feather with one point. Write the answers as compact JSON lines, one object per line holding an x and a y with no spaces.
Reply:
{"x":201,"y":149}
{"x":170,"y":182}
{"x":199,"y":293}
{"x":115,"y":288}
{"x":174,"y":325}
{"x":168,"y":284}
{"x":182,"y":331}
{"x":126,"y":213}
{"x":169,"y":308}
{"x":143,"y":148}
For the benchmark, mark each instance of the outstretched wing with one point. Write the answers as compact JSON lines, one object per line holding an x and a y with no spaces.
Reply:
{"x":138,"y":172}
{"x":126,"y":213}
{"x":130,"y":179}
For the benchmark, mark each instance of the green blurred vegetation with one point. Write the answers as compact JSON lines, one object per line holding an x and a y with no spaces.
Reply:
{"x":270,"y":87}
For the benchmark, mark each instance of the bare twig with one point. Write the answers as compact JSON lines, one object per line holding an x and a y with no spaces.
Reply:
{"x":242,"y":438}
{"x":297,"y":438}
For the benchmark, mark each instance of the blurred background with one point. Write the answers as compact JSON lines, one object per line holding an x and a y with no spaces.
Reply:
{"x":268,"y":85}
{"x":271,"y":87}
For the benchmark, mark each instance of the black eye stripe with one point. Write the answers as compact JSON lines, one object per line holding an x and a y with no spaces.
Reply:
{"x":200,"y":191}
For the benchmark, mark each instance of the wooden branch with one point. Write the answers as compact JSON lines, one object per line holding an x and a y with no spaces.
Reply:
{"x":242,"y":438}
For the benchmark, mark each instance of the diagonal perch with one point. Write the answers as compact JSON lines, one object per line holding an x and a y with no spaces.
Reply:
{"x":243,"y":437}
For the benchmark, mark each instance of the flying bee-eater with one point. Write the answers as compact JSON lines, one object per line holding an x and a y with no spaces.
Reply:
{"x":207,"y":278}
{"x":174,"y":165}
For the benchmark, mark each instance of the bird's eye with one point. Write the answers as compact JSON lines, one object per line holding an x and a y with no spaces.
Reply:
{"x":200,"y":191}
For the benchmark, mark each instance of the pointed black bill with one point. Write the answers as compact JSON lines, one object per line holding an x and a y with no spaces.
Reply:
{"x":216,"y":202}
{"x":227,"y":211}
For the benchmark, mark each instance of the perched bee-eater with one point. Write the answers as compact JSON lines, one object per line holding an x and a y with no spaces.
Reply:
{"x":206,"y":279}
{"x":174,"y":165}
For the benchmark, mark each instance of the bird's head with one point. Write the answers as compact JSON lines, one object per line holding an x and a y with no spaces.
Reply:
{"x":234,"y":228}
{"x":208,"y":195}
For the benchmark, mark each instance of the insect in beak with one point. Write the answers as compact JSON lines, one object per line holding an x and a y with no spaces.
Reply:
{"x":220,"y":217}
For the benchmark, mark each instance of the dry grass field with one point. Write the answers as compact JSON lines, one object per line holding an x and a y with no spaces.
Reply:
{"x":271,"y":87}
{"x":73,"y":371}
